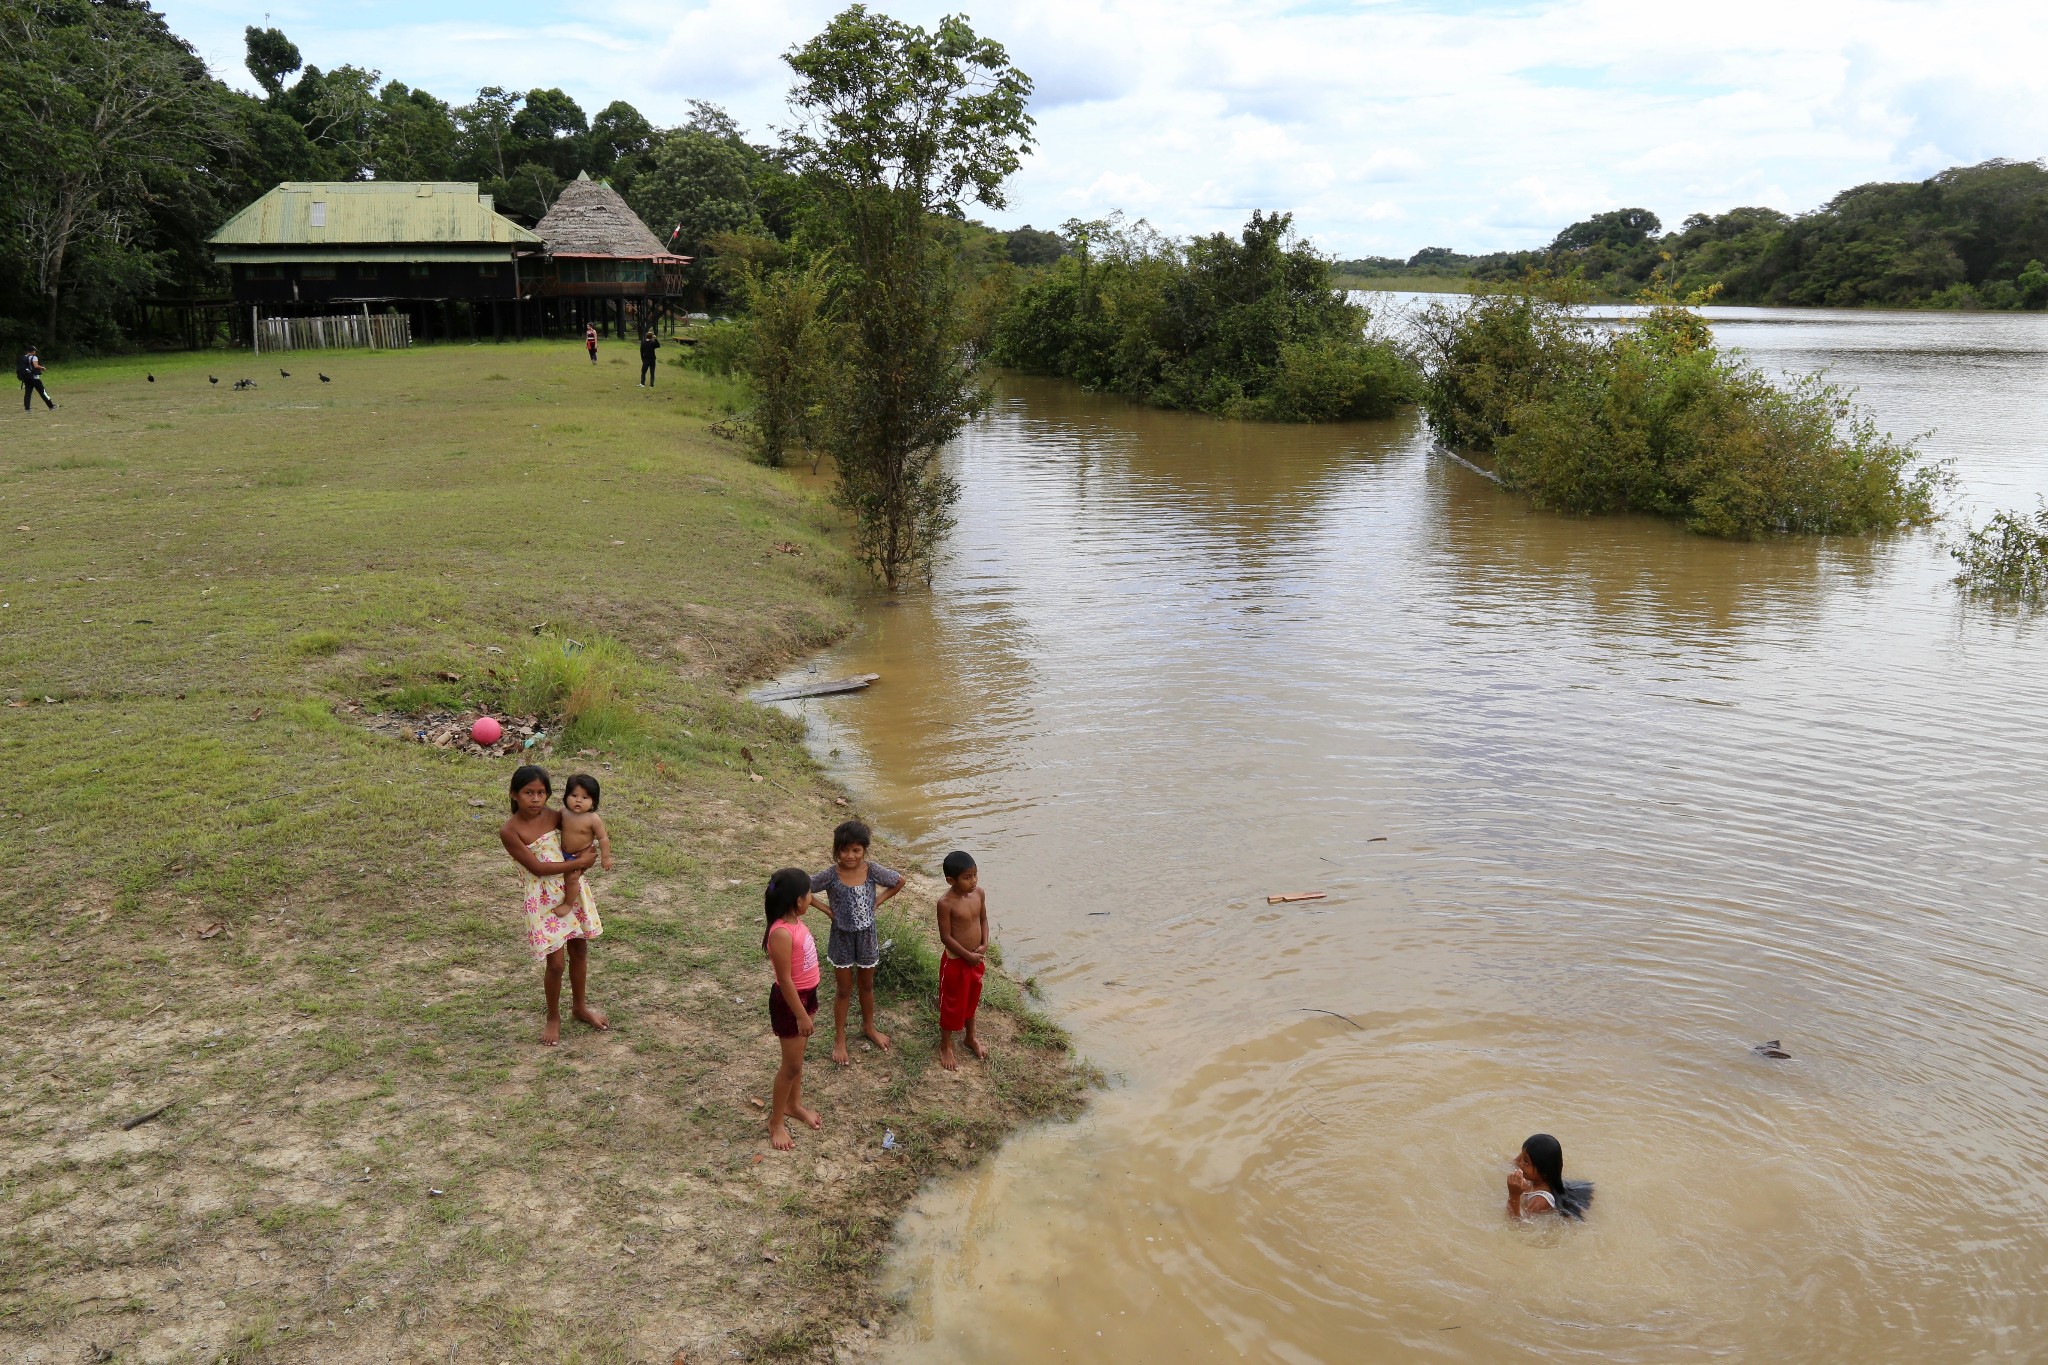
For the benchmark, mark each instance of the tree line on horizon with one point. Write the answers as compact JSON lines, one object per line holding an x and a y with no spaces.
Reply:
{"x":1969,"y":237}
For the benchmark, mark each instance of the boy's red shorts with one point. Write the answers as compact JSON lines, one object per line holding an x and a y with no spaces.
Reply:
{"x":959,"y":992}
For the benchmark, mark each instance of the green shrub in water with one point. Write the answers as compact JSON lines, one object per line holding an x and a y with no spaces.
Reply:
{"x":1652,"y":417}
{"x":2006,"y":557}
{"x":1250,"y":326}
{"x":1335,"y":380}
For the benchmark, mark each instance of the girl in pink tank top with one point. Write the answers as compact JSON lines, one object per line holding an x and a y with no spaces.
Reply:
{"x":793,"y":999}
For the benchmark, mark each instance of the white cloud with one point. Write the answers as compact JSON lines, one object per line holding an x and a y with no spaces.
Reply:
{"x":1385,"y":126}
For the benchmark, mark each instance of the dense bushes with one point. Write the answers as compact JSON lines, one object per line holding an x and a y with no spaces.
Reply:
{"x":1651,"y":417}
{"x":1250,"y":326}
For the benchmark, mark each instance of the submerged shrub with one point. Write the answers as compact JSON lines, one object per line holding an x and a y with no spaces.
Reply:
{"x":1486,"y":360}
{"x":1247,"y":326}
{"x":2006,"y":557}
{"x":1652,"y":417}
{"x":1331,"y":380}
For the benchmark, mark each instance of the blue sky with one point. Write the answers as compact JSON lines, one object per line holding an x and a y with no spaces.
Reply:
{"x":1384,"y":125}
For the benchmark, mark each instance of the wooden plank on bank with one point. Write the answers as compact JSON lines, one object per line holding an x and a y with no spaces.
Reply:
{"x":856,"y":683}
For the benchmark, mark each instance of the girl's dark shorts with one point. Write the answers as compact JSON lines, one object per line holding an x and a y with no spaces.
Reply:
{"x":779,"y":1017}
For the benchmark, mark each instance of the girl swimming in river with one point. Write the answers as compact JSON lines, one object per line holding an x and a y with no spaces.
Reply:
{"x":1537,"y":1185}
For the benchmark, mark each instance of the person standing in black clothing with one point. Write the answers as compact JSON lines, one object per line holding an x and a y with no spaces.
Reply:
{"x":648,"y":346}
{"x":29,"y":370}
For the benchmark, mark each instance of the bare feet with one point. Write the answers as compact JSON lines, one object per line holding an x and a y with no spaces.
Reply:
{"x":880,"y":1040}
{"x":778,"y":1136}
{"x":810,"y":1116}
{"x":977,"y":1047}
{"x":947,"y":1057}
{"x":593,"y":1017}
{"x":839,"y":1053}
{"x":551,"y":1032}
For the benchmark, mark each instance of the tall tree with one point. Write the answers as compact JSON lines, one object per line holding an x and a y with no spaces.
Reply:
{"x":412,"y":135}
{"x":897,"y":129}
{"x":619,"y":140}
{"x":338,"y":109}
{"x":486,"y":132}
{"x":106,"y":116}
{"x":697,"y":186}
{"x":550,"y":128}
{"x":271,"y":57}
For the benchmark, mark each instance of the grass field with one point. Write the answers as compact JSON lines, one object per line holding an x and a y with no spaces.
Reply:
{"x":237,"y":900}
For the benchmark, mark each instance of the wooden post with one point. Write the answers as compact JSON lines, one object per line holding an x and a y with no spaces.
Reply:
{"x":255,"y":333}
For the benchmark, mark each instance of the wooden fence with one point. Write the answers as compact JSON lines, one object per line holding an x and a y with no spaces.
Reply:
{"x":375,"y":331}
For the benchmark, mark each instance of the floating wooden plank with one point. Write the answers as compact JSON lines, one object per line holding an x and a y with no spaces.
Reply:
{"x":856,"y":683}
{"x":1290,"y":897}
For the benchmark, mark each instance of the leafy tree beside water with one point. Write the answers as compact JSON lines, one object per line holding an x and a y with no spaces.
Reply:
{"x":899,"y":128}
{"x":1247,"y":326}
{"x":1653,"y":417}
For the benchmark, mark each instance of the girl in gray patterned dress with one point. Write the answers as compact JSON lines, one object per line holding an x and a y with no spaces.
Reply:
{"x":853,"y":887}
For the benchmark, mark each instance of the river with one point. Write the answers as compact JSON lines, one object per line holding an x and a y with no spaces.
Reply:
{"x":1597,"y":804}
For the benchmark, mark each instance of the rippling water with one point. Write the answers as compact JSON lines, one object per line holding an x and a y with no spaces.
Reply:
{"x":1597,"y":804}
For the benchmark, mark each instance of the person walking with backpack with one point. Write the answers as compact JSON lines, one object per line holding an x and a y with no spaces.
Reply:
{"x":29,"y":370}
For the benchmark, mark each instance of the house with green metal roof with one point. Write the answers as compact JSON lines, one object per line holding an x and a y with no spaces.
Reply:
{"x":421,"y":245}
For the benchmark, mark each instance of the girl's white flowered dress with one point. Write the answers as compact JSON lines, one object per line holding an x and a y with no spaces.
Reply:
{"x":550,"y":923}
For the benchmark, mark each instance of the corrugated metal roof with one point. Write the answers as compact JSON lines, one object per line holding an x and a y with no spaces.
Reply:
{"x":372,"y":212}
{"x":372,"y":255}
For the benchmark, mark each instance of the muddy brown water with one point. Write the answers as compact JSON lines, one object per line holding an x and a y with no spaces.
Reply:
{"x":1597,"y":805}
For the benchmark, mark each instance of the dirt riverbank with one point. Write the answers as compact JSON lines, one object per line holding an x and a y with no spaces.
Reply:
{"x":298,"y":940}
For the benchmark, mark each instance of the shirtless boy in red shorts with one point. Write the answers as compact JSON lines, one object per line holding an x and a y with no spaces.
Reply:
{"x":963,"y":929}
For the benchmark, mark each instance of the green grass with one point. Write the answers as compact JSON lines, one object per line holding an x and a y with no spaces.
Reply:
{"x":214,"y":592}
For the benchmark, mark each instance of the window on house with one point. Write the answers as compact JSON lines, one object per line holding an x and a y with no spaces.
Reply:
{"x":419,"y":270}
{"x":366,"y":271}
{"x":319,"y":213}
{"x":487,"y":271}
{"x":316,"y":272}
{"x":263,"y":272}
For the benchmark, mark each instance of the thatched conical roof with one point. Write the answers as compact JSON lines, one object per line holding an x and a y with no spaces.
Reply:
{"x":590,"y":219}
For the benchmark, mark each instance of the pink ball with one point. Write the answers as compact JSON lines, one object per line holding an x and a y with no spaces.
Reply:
{"x":486,"y":730}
